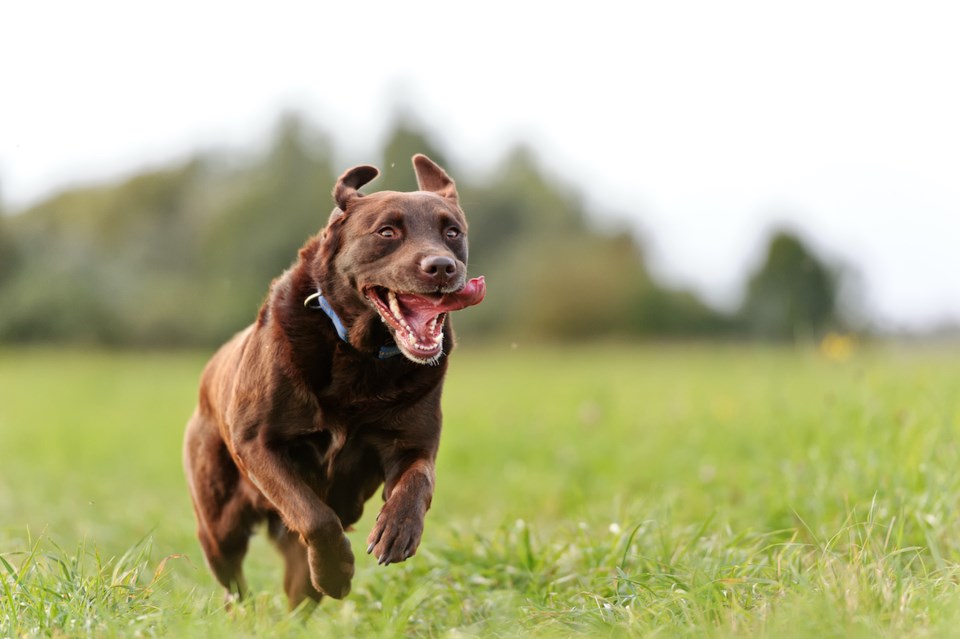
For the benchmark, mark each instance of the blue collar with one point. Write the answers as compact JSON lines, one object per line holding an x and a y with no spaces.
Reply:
{"x":318,"y":301}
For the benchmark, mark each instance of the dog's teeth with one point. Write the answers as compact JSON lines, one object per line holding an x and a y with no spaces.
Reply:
{"x":394,"y":305}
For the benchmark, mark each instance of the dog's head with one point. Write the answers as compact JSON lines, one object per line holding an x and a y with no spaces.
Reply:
{"x":400,"y":258}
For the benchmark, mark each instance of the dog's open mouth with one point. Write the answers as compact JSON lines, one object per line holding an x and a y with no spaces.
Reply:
{"x":416,"y":320}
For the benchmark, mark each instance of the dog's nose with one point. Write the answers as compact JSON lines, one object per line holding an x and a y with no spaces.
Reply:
{"x":438,"y":267}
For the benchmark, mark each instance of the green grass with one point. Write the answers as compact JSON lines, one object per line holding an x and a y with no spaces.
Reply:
{"x":611,"y":491}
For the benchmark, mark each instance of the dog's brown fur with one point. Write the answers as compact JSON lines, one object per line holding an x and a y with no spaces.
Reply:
{"x":299,"y":428}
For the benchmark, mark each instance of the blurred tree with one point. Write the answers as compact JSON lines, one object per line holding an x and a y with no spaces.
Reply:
{"x":267,"y":213}
{"x":792,"y":295}
{"x":184,"y":254}
{"x":396,"y":168}
{"x":580,"y":287}
{"x":662,"y":312}
{"x":97,"y":263}
{"x":526,"y":232}
{"x":518,"y":208}
{"x":8,"y":250}
{"x":553,"y":276}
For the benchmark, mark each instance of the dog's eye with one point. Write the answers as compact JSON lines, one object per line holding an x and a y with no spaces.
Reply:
{"x":453,"y":233}
{"x":387,"y":232}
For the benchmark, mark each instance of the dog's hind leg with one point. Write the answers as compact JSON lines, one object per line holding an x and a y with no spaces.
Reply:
{"x":296,"y":576}
{"x":225,"y":558}
{"x":222,"y":503}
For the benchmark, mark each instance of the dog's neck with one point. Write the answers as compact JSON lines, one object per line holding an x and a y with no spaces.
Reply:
{"x":317,"y":301}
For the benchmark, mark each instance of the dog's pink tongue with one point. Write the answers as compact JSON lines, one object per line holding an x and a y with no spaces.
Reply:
{"x":432,"y":306}
{"x":419,"y":310}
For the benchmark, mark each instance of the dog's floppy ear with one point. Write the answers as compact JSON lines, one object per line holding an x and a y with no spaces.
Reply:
{"x":432,"y":178}
{"x":346,"y":187}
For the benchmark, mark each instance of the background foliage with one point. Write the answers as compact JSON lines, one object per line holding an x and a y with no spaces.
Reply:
{"x":118,"y":264}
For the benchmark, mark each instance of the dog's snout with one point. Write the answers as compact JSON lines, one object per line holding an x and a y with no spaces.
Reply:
{"x":438,"y":267}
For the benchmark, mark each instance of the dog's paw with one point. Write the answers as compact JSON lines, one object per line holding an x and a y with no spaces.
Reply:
{"x":395,"y":537}
{"x":331,"y":566}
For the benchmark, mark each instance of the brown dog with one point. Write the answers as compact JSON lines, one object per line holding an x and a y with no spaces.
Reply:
{"x":335,"y":390}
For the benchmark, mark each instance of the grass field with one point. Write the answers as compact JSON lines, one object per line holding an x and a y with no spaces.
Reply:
{"x":609,"y":491}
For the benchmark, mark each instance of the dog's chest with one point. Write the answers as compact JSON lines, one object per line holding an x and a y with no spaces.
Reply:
{"x":361,"y":392}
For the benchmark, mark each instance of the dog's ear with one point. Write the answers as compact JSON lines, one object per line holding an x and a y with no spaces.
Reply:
{"x":346,"y":187}
{"x":432,"y":178}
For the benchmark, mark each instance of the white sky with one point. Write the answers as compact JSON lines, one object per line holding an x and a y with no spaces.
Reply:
{"x":705,"y":122}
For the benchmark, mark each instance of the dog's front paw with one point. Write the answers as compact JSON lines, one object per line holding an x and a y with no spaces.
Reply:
{"x":395,"y":537}
{"x":331,"y":566}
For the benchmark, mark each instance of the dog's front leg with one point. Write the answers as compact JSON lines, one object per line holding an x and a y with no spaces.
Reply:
{"x":399,"y":526}
{"x":328,"y":549}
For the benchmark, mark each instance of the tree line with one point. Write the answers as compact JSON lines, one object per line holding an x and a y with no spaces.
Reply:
{"x":182,"y":255}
